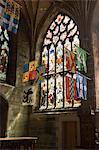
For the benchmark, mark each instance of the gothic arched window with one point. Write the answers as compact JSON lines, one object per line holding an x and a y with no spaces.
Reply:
{"x":4,"y":53}
{"x":62,"y":35}
{"x":8,"y":57}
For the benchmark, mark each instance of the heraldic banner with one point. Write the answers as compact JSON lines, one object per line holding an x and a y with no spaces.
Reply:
{"x":9,"y":15}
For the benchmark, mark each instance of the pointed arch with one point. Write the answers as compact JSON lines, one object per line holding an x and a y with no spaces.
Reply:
{"x":62,"y":34}
{"x":53,"y":10}
{"x":4,"y":53}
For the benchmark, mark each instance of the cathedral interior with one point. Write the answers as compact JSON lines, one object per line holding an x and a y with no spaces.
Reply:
{"x":44,"y":93}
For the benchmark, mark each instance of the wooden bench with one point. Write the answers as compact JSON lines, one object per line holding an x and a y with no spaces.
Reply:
{"x":18,"y":143}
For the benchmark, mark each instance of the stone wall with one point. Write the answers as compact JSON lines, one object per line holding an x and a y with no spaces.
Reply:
{"x":95,"y":45}
{"x":44,"y":127}
{"x":48,"y":128}
{"x":21,"y":120}
{"x":14,"y":93}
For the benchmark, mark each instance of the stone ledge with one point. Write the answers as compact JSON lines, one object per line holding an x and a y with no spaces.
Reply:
{"x":6,"y":85}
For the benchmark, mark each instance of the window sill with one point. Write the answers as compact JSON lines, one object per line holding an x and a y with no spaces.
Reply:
{"x":6,"y":85}
{"x":56,"y":111}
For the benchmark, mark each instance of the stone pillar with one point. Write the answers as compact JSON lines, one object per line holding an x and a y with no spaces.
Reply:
{"x":20,"y":126}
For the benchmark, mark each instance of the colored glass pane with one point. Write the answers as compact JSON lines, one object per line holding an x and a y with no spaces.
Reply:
{"x":72,"y":32}
{"x":61,"y":36}
{"x":51,"y":92}
{"x":67,"y":100}
{"x":67,"y":44}
{"x":70,"y":26}
{"x":47,"y":41}
{"x":66,"y":19}
{"x":45,"y":57}
{"x":59,"y":19}
{"x":75,"y":42}
{"x":53,"y":25}
{"x":55,"y":39}
{"x":59,"y":91}
{"x":59,"y":54}
{"x":52,"y":59}
{"x":62,"y":27}
{"x":70,"y":92}
{"x":43,"y":100}
{"x":49,"y":34}
{"x":4,"y":53}
{"x":55,"y":32}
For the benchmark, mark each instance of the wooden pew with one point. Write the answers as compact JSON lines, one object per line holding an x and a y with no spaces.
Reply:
{"x":18,"y":143}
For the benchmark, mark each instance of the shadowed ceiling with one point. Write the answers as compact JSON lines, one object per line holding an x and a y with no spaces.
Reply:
{"x":35,"y":13}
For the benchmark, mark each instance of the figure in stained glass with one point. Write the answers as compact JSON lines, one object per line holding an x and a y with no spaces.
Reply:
{"x":58,"y":58}
{"x":52,"y":59}
{"x":59,"y":91}
{"x":51,"y":92}
{"x":45,"y":58}
{"x":75,"y":42}
{"x":59,"y":55}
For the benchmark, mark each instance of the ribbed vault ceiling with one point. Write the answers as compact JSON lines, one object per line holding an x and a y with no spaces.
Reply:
{"x":35,"y":12}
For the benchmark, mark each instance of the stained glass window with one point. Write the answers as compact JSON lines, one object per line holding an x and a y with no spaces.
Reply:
{"x":51,"y":92}
{"x":4,"y":52}
{"x":58,"y":88}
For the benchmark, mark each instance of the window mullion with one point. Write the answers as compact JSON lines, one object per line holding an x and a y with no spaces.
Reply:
{"x":63,"y":75}
{"x":61,"y":34}
{"x":55,"y":79}
{"x":48,"y":76}
{"x":72,"y":73}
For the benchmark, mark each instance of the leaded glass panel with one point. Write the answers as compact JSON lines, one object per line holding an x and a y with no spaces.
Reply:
{"x":45,"y":57}
{"x":55,"y":32}
{"x":59,"y":55}
{"x":51,"y":92}
{"x":62,"y":27}
{"x":59,"y":18}
{"x":75,"y":42}
{"x":52,"y":59}
{"x":4,"y":53}
{"x":59,"y":85}
{"x":59,"y":91}
{"x":43,"y":100}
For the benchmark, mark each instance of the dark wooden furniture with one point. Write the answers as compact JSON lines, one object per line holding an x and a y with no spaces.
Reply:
{"x":18,"y":143}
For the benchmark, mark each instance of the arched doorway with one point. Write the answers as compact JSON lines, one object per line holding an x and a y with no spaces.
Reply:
{"x":3,"y":115}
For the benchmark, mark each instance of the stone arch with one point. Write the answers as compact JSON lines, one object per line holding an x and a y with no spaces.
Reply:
{"x":84,"y":25}
{"x":54,"y":11}
{"x":50,"y":15}
{"x":46,"y":21}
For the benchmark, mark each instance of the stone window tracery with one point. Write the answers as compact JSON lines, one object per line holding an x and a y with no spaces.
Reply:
{"x":4,"y":53}
{"x":62,"y":35}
